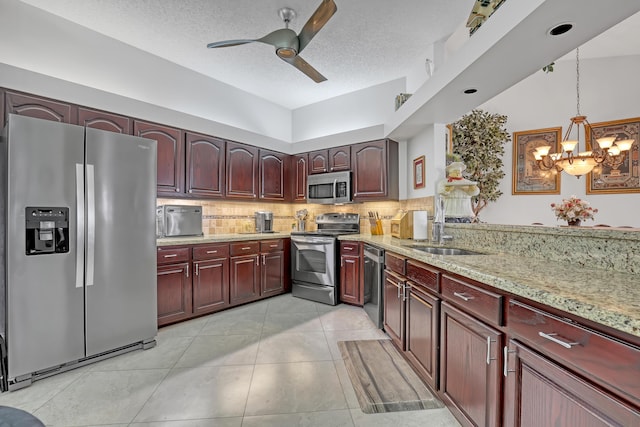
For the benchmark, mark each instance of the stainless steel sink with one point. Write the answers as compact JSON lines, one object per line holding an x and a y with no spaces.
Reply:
{"x":439,"y":250}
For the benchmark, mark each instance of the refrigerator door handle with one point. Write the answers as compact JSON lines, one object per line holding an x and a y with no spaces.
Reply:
{"x":91,"y":223}
{"x":80,"y":225}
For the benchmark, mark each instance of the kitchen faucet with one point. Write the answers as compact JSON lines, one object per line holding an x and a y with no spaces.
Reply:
{"x":437,"y":235}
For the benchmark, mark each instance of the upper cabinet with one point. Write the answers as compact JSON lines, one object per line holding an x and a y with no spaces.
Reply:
{"x":299,"y":164}
{"x":331,"y":160}
{"x":340,"y":159}
{"x":102,"y":120}
{"x":39,"y":108}
{"x":205,"y":157}
{"x":170,"y":156}
{"x":318,"y":161}
{"x":242,"y":171}
{"x":274,"y":176}
{"x":375,"y":170}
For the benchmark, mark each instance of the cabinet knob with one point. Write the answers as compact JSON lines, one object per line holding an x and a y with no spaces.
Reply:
{"x":190,"y":191}
{"x":177,"y":189}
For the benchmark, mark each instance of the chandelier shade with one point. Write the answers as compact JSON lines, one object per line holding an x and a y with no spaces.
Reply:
{"x":605,"y":150}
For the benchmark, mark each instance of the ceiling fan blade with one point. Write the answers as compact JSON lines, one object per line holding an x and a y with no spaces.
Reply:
{"x":319,"y":18}
{"x":304,"y":66}
{"x":227,"y":43}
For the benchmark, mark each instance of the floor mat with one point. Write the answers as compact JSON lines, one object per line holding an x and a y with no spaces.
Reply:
{"x":383,"y":380}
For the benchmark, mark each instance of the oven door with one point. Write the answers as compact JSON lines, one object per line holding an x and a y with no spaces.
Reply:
{"x":313,"y":259}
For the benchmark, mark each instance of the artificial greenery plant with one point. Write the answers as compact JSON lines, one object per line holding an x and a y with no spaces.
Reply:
{"x":479,"y":138}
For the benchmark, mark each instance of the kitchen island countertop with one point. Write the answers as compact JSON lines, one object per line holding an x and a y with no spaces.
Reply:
{"x":607,"y":297}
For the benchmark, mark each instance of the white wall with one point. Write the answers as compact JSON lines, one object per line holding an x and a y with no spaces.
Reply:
{"x":431,"y":143}
{"x":609,"y":90}
{"x":33,"y":40}
{"x":351,"y":112}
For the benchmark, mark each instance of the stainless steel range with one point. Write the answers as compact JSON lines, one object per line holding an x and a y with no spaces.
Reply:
{"x":314,"y":257}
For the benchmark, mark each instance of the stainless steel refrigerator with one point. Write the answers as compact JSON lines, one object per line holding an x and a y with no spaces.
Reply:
{"x":77,"y":244}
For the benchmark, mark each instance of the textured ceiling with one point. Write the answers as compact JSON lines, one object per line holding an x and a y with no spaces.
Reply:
{"x":365,"y":43}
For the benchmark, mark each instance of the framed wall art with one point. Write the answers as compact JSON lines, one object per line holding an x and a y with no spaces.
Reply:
{"x":418,"y":172}
{"x":625,"y":177}
{"x":528,"y":178}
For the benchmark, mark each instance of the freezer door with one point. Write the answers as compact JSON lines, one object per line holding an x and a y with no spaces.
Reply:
{"x":45,"y":307}
{"x":121,"y":305}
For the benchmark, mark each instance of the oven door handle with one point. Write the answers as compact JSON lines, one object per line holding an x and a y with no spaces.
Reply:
{"x":312,"y":240}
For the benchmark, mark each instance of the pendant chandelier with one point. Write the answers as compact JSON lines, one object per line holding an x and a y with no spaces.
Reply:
{"x":604,"y":150}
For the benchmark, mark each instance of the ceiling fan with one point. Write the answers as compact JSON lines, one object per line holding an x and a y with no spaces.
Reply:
{"x":289,"y":45}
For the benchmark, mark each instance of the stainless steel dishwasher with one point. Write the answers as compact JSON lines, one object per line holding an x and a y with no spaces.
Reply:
{"x":373,"y":267}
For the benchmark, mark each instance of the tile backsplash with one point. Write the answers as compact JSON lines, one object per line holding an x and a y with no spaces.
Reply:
{"x":224,"y":217}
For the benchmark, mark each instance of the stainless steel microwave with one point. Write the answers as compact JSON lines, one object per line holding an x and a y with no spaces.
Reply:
{"x":329,"y":188}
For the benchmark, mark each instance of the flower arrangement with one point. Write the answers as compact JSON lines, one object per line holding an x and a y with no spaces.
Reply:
{"x":573,"y":208}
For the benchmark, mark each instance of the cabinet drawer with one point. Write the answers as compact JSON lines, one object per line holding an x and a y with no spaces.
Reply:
{"x":271,"y":245}
{"x":610,"y":363}
{"x":395,"y":263}
{"x":482,"y":303}
{"x":173,"y":255}
{"x":210,"y":252}
{"x":423,"y":275}
{"x":244,"y":248}
{"x":349,"y":248}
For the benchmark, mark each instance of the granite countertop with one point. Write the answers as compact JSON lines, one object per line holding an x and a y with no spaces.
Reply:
{"x":219,"y":238}
{"x":607,"y":297}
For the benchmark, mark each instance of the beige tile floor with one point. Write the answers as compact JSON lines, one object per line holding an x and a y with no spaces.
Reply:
{"x":270,"y":363}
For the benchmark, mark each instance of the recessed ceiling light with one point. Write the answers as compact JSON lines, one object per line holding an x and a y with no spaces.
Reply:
{"x":560,"y":29}
{"x":470,"y":91}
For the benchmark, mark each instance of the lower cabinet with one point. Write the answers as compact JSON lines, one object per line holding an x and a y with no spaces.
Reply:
{"x":470,"y":375}
{"x":210,"y":278}
{"x":351,"y":286}
{"x":394,"y":311}
{"x":244,"y":278}
{"x":273,"y":270}
{"x":174,"y":285}
{"x":201,"y":279}
{"x":540,"y":392}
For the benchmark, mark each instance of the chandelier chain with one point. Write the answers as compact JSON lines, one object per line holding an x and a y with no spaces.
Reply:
{"x":578,"y":81}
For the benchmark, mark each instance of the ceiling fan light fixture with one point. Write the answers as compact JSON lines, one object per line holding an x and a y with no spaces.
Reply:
{"x":286,"y":52}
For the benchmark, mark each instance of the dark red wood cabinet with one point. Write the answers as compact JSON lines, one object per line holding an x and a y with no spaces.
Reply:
{"x":339,"y":158}
{"x":174,"y":285}
{"x":299,"y":174}
{"x":38,"y":107}
{"x":375,"y":170}
{"x":274,"y":176}
{"x":422,"y":332}
{"x":242,"y":171}
{"x":273,"y":275}
{"x":206,"y":159}
{"x":210,"y":278}
{"x":540,"y":392}
{"x":351,"y":286}
{"x":105,"y":121}
{"x":470,"y":362}
{"x":394,"y":312}
{"x":170,"y":155}
{"x":244,"y":277}
{"x":318,"y":161}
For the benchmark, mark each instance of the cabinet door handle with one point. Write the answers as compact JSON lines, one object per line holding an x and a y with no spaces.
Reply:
{"x":463,"y":296}
{"x":196,"y":269}
{"x":258,"y":260}
{"x":404,"y":291}
{"x":273,"y":246}
{"x":246,"y":248}
{"x":171,"y":256}
{"x":348,"y":248}
{"x":264,"y":262}
{"x":552,"y":337}
{"x":187,"y":270}
{"x":489,"y":341}
{"x":212,"y":252}
{"x":505,"y":369}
